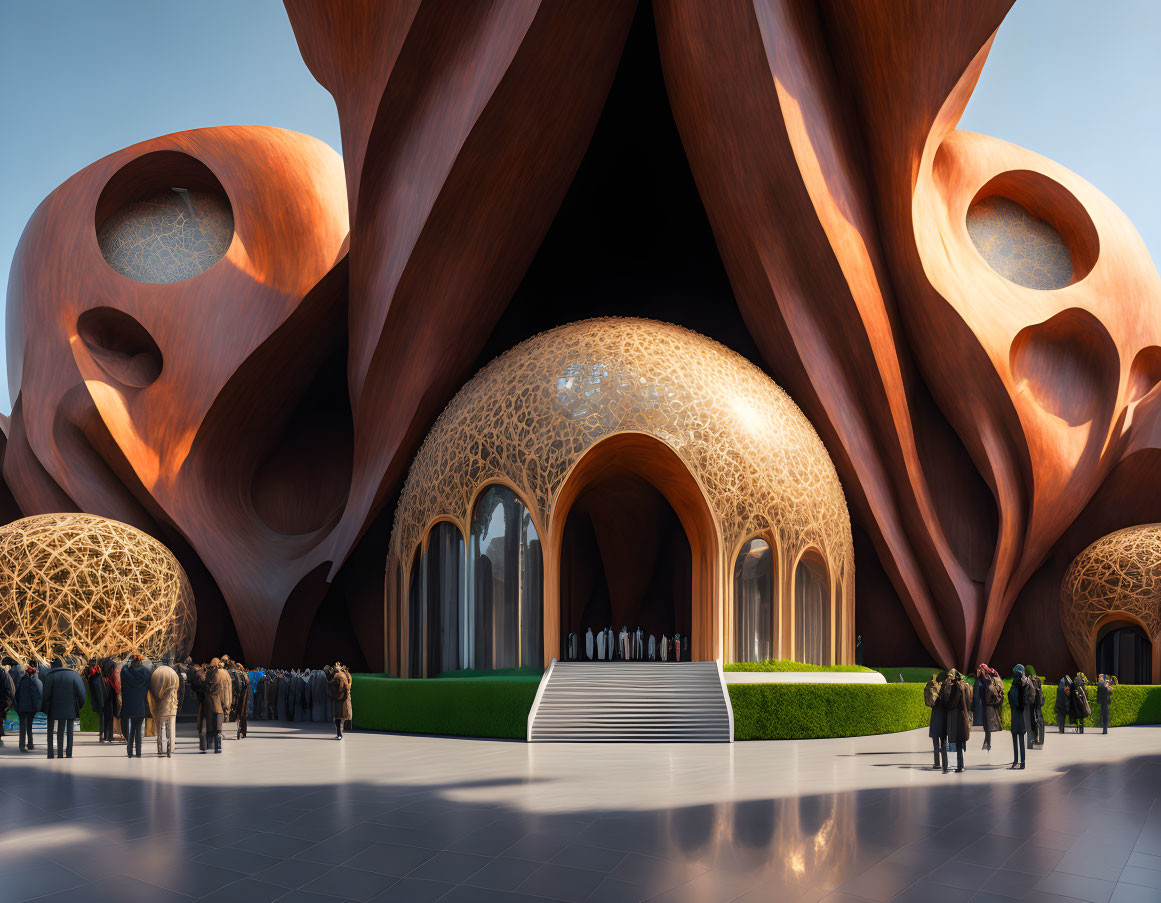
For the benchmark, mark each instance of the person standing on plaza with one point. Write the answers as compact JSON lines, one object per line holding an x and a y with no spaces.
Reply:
{"x":219,"y":699}
{"x":164,"y":684}
{"x":1063,"y":703}
{"x":339,"y":691}
{"x":97,"y":691}
{"x":956,"y":699}
{"x":7,"y":696}
{"x":63,"y":696}
{"x":1036,"y":722}
{"x":134,"y":702}
{"x":1104,"y":697}
{"x":1080,"y":706}
{"x":1019,"y":698}
{"x":29,"y":698}
{"x":240,"y":686}
{"x":937,"y":725}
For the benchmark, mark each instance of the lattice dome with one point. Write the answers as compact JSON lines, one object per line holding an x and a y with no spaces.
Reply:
{"x":1118,"y":574}
{"x":92,"y":587}
{"x":530,"y":415}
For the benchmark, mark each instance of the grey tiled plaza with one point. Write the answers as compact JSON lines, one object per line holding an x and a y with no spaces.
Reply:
{"x":291,"y":815}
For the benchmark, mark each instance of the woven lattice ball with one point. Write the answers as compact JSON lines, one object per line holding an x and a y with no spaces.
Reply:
{"x":90,"y":587}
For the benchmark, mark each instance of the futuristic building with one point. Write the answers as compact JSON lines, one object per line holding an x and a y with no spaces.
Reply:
{"x":619,"y":472}
{"x":238,"y":342}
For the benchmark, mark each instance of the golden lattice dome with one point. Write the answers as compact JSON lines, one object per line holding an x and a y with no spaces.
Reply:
{"x":1118,"y":577}
{"x":531,"y":414}
{"x":92,"y":587}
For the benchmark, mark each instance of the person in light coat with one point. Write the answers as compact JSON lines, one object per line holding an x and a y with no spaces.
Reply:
{"x":219,"y":694}
{"x":164,"y":684}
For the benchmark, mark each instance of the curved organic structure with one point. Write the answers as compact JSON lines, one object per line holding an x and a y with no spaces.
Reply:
{"x":90,"y":587}
{"x":236,"y":340}
{"x":1116,"y":579}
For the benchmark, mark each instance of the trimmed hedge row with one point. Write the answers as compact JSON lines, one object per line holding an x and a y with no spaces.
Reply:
{"x":807,"y":711}
{"x":464,"y":706}
{"x":785,"y":664}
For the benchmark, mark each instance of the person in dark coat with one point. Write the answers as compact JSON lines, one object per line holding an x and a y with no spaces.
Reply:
{"x":7,"y":695}
{"x":1104,"y":697}
{"x":241,"y":694}
{"x":196,"y":679}
{"x":956,"y":698}
{"x":98,"y":690}
{"x":1063,"y":701}
{"x":63,"y":696}
{"x":1036,"y":726}
{"x":937,"y":725}
{"x":134,"y":702}
{"x":1079,"y":707}
{"x":1020,"y":695}
{"x":29,"y":698}
{"x":987,"y":701}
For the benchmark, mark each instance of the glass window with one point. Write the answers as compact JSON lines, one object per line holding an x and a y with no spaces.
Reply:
{"x":754,"y":602}
{"x":443,"y":576}
{"x":415,"y":620}
{"x":812,"y":611}
{"x":506,"y":583}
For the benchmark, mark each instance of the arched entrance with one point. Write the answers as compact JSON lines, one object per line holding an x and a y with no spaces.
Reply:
{"x":1123,"y":649}
{"x":635,"y":546}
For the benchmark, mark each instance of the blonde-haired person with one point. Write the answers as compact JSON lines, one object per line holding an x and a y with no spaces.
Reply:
{"x":163,"y":689}
{"x":339,"y":691}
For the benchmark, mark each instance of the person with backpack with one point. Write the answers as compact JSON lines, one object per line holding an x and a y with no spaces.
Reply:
{"x":988,"y":701}
{"x":937,"y":726}
{"x":956,"y":698}
{"x":1020,"y":696}
{"x":1036,"y":712}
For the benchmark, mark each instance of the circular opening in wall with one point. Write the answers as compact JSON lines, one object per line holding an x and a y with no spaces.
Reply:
{"x":163,"y":218}
{"x":1032,"y":231}
{"x":121,"y":346}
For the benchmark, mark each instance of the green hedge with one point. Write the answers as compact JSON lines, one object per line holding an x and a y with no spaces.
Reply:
{"x":910,"y":675}
{"x":785,"y":664}
{"x":90,"y":720}
{"x":804,"y":711}
{"x":461,"y":706}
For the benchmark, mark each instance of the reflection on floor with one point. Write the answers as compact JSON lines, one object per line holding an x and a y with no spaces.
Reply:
{"x":291,"y":815}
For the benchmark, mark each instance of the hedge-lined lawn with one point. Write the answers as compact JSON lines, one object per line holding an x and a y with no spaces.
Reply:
{"x":784,"y":665}
{"x":461,"y":705}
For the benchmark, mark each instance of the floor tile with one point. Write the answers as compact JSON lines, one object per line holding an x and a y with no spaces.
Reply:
{"x":454,"y":868}
{"x":1092,"y":890}
{"x":245,"y":891}
{"x":293,"y":873}
{"x":350,"y":884}
{"x":413,"y":890}
{"x":502,"y":873}
{"x":584,"y":856}
{"x":560,"y":882}
{"x":390,"y":859}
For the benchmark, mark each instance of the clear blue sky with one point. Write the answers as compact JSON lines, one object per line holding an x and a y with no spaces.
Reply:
{"x":1074,"y":80}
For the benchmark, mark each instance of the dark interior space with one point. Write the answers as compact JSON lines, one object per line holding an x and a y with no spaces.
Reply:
{"x":1125,"y":651}
{"x":625,"y":562}
{"x":889,"y":639}
{"x":631,"y":238}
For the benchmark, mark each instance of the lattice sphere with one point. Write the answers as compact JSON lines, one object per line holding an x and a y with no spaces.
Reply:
{"x":1119,"y":574}
{"x":532,"y":413}
{"x":92,"y":587}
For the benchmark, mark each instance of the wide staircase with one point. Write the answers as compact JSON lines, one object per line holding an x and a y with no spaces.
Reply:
{"x":632,"y":702}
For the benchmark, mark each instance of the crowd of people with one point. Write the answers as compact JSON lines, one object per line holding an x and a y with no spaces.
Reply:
{"x":124,"y":694}
{"x":627,"y":646}
{"x":958,"y":705}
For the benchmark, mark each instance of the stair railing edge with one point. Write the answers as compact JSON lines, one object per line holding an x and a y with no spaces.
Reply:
{"x":540,"y":695}
{"x":726,"y":695}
